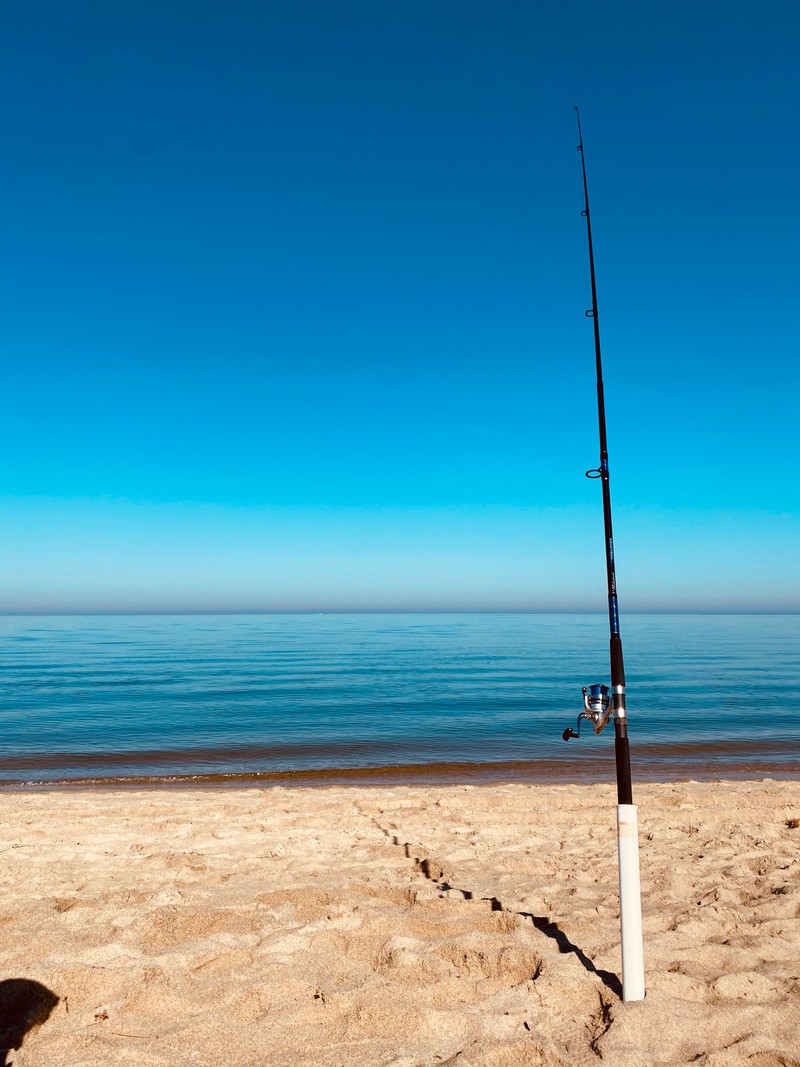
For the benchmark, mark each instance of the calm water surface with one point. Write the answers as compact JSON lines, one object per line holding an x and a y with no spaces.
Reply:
{"x":443,"y":696}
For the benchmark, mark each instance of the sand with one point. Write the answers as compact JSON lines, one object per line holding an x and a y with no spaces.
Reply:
{"x":409,"y":925}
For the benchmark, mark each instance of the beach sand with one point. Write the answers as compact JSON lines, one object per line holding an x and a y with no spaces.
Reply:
{"x":407,"y":925}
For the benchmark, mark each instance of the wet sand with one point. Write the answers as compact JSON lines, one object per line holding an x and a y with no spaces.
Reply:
{"x":404,"y":925}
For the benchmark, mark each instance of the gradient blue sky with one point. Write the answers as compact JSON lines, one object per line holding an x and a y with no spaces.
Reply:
{"x":292,"y":307}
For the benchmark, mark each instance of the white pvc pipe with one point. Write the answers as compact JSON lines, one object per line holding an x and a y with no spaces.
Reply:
{"x":630,"y":903}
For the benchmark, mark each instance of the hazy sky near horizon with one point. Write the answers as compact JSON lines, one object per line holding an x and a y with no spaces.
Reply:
{"x":293,"y":305}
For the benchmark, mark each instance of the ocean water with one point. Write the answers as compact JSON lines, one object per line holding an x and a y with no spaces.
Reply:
{"x":95,"y":699}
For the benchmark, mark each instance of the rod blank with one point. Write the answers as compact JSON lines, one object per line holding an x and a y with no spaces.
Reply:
{"x":627,"y":831}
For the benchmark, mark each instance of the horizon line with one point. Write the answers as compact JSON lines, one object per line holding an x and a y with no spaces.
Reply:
{"x":387,"y":611}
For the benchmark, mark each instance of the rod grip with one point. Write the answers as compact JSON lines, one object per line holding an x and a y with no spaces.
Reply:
{"x":622,"y":753}
{"x":617,"y":665}
{"x":630,"y":901}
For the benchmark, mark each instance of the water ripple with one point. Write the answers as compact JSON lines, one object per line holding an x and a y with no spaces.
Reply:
{"x":142,"y":696}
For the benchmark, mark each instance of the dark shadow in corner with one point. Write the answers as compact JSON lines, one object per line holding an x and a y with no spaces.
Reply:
{"x":23,"y":1005}
{"x":433,"y":872}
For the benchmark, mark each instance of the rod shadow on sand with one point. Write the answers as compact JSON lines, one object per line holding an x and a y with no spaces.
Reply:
{"x":433,"y":872}
{"x":24,"y":1004}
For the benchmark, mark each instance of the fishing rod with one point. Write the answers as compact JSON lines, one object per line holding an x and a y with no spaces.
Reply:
{"x":598,"y":706}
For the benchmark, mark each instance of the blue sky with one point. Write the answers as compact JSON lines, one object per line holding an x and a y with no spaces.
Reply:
{"x":292,"y":307}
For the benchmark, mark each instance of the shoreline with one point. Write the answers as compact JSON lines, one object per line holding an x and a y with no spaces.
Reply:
{"x":587,"y":770}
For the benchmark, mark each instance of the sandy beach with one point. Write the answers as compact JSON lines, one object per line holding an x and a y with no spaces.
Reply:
{"x":409,"y":925}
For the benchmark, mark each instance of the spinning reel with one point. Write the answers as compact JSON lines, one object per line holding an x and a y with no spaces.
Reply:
{"x":597,"y":708}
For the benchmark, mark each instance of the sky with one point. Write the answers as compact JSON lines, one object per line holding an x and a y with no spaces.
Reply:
{"x":292,"y":306}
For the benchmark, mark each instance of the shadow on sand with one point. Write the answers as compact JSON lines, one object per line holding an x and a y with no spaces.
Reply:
{"x":23,"y":1005}
{"x":543,"y":923}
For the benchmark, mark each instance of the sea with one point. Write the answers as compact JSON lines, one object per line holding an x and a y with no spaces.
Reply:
{"x":235,"y":700}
